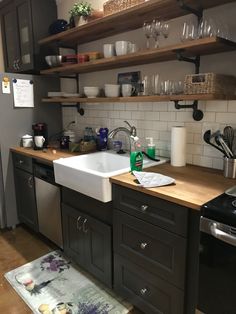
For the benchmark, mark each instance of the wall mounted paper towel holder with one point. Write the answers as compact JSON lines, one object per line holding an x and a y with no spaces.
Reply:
{"x":197,"y":113}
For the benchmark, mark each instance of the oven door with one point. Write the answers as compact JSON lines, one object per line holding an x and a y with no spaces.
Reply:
{"x":217,"y":268}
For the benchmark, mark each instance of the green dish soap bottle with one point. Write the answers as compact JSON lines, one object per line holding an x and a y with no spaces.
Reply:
{"x":136,"y":156}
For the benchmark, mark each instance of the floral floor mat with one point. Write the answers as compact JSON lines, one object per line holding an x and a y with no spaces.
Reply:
{"x":51,"y":284}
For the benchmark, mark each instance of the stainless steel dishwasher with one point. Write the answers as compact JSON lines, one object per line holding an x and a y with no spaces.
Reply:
{"x":48,"y":201}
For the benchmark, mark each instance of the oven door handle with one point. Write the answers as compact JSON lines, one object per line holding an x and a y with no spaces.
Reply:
{"x":221,"y":235}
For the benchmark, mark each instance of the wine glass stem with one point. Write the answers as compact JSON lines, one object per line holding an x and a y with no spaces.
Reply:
{"x":148,"y":42}
{"x":156,"y":42}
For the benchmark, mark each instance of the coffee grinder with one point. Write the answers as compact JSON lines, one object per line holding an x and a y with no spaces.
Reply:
{"x":40,"y":129}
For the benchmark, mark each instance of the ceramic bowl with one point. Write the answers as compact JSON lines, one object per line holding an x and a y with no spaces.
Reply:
{"x":54,"y":61}
{"x":91,"y":91}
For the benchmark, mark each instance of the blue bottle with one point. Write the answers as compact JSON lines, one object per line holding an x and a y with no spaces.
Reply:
{"x":102,"y":139}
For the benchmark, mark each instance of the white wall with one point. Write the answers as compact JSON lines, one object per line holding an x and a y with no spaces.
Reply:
{"x":1,"y":54}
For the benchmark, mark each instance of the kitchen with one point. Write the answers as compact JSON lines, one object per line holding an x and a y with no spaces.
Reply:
{"x":156,"y":119}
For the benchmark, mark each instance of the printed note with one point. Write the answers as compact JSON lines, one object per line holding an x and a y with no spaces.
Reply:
{"x":23,"y":91}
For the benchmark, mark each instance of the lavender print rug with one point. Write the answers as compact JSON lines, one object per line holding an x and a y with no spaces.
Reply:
{"x":53,"y":285}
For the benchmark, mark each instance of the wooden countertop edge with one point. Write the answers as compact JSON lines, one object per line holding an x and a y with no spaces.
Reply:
{"x":157,"y":194}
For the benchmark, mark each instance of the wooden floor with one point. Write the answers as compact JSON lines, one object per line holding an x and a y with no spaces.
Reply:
{"x":17,"y":247}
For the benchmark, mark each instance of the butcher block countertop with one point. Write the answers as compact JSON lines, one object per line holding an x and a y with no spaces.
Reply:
{"x":193,"y":186}
{"x":46,"y":155}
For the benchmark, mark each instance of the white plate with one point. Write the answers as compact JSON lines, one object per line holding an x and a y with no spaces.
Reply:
{"x":55,"y":94}
{"x":71,"y":95}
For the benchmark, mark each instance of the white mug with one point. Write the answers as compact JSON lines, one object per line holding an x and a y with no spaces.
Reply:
{"x":108,"y":50}
{"x":39,"y":141}
{"x":122,"y":47}
{"x":127,"y":90}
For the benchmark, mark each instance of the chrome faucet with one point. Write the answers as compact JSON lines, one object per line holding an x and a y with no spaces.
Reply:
{"x":131,"y":132}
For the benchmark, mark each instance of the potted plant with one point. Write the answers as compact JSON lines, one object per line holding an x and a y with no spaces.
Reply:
{"x":80,"y":12}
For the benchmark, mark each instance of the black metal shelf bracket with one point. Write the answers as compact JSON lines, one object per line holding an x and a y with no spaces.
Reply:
{"x":198,"y":12}
{"x":197,"y":113}
{"x":77,"y":105}
{"x":195,"y":61}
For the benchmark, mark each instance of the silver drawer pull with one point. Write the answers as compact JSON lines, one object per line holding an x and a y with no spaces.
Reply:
{"x":30,"y":182}
{"x":21,"y":162}
{"x":85,"y":230}
{"x":77,"y":223}
{"x":144,"y":208}
{"x":143,"y":245}
{"x":143,"y":291}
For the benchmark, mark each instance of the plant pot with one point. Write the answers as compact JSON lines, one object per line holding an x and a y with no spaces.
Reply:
{"x":80,"y":20}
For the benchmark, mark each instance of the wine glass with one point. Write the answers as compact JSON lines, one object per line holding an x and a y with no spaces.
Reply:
{"x":165,"y":29}
{"x":156,"y":28}
{"x":147,"y":28}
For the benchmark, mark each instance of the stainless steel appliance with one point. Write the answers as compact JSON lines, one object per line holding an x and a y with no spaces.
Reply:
{"x":48,"y":202}
{"x":217,"y":260}
{"x":14,"y":123}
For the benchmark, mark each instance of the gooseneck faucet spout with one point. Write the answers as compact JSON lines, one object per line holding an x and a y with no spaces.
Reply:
{"x":131,"y":132}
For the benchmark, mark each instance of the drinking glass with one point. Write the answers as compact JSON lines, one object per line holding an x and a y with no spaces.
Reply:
{"x":165,"y":29}
{"x":147,"y":28}
{"x":155,"y":84}
{"x":166,"y":87}
{"x":156,"y":28}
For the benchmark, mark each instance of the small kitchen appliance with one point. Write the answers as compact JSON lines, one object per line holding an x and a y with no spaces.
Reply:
{"x":40,"y":129}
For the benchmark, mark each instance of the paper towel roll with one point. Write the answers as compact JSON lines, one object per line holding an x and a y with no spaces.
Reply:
{"x":178,"y":146}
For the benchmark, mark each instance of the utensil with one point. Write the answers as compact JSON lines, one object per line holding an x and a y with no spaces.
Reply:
{"x":229,"y":136}
{"x":207,"y":137}
{"x":220,"y":141}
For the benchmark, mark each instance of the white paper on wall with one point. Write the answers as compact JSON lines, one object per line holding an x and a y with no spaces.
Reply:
{"x":23,"y":91}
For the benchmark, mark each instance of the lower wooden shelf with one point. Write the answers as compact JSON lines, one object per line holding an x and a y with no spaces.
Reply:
{"x":154,"y":98}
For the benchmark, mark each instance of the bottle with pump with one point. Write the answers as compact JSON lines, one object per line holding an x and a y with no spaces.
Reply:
{"x":151,"y":148}
{"x":136,"y":156}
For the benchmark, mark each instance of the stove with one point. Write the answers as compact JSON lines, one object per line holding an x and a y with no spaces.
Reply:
{"x":217,"y":256}
{"x":221,"y":209}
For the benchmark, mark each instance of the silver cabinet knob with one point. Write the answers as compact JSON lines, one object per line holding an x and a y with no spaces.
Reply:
{"x":143,"y":245}
{"x":143,"y":291}
{"x":21,"y":162}
{"x":144,"y":208}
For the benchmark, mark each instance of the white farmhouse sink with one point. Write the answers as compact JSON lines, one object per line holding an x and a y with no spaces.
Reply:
{"x":89,"y":174}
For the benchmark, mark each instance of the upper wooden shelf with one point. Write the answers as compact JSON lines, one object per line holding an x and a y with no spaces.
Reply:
{"x":203,"y":46}
{"x":127,"y":20}
{"x":154,"y":98}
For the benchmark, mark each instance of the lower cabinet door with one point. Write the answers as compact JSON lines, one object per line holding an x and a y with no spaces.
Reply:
{"x":73,"y":236}
{"x":25,"y":197}
{"x":98,"y":249}
{"x":88,"y":242}
{"x":147,"y":292}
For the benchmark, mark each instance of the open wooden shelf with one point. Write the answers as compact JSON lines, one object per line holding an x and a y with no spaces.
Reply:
{"x":156,"y":98}
{"x":203,"y":46}
{"x":127,"y":20}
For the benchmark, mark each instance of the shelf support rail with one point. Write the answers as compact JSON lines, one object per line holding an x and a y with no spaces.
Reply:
{"x":197,"y":113}
{"x":195,"y":61}
{"x":77,"y":106}
{"x":198,"y":12}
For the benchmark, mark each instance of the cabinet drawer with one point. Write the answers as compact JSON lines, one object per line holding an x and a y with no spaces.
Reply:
{"x":149,"y":293}
{"x":164,"y":214}
{"x":157,"y":250}
{"x":23,"y":162}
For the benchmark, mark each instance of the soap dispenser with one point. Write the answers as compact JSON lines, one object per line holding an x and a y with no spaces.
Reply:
{"x":151,"y":148}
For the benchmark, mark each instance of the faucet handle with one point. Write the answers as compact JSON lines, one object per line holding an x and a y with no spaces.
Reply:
{"x":133,"y":130}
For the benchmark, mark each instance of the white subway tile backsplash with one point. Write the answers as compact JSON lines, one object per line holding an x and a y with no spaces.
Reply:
{"x":168,"y":116}
{"x":126,"y":115}
{"x":232,"y":106}
{"x":218,"y":163}
{"x":202,"y":161}
{"x":223,"y":117}
{"x":147,"y":106}
{"x":184,"y":116}
{"x":216,"y":105}
{"x":150,"y":115}
{"x":131,"y":106}
{"x":195,"y":149}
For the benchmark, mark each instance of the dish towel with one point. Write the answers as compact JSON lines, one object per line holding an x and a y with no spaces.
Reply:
{"x":152,"y":179}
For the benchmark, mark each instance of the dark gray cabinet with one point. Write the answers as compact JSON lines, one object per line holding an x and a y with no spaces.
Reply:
{"x":87,"y":240}
{"x":25,"y":191}
{"x":150,"y":245}
{"x":23,"y":23}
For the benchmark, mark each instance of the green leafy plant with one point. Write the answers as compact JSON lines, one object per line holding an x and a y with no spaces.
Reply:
{"x":81,"y":9}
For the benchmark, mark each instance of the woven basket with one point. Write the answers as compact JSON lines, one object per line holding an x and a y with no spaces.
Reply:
{"x":209,"y":83}
{"x":113,"y":6}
